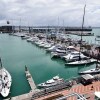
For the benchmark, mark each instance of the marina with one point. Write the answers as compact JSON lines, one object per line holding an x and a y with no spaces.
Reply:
{"x":49,"y":50}
{"x":29,"y":95}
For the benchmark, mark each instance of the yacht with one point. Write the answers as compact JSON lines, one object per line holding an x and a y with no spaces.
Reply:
{"x":47,"y":45}
{"x":51,"y":49}
{"x":52,"y":82}
{"x":91,"y":71}
{"x":74,"y":56}
{"x":38,"y":42}
{"x":30,"y":39}
{"x":81,"y":62}
{"x":25,"y":37}
{"x":57,"y":54}
{"x":62,"y":52}
{"x":5,"y":81}
{"x":54,"y":48}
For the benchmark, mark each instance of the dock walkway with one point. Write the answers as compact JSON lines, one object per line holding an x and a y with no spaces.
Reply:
{"x":30,"y":79}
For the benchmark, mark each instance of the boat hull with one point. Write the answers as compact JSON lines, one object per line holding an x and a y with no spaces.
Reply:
{"x":92,"y":71}
{"x":6,"y":90}
{"x":83,"y":62}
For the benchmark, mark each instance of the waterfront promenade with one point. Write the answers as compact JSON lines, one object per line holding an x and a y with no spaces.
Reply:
{"x":86,"y":90}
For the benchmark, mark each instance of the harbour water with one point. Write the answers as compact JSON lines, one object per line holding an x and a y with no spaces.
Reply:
{"x":16,"y":53}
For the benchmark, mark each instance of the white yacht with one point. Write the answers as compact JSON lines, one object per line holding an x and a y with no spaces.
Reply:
{"x":53,"y":48}
{"x":30,"y":39}
{"x":25,"y":37}
{"x":57,"y":54}
{"x":81,"y":62}
{"x":73,"y":56}
{"x":5,"y":81}
{"x":54,"y":81}
{"x":92,"y":71}
{"x":38,"y":42}
{"x":48,"y":45}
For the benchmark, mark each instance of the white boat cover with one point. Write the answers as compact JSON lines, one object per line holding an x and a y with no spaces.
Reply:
{"x":97,"y":94}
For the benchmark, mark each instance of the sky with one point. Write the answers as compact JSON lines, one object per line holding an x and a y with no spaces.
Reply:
{"x":49,"y":12}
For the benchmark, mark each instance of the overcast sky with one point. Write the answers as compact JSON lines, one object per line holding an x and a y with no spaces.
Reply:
{"x":47,"y":12}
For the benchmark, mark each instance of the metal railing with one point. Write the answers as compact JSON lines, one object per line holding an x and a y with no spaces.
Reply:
{"x":79,"y":97}
{"x":49,"y":90}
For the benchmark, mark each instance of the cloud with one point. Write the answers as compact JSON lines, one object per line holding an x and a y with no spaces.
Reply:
{"x":46,"y":12}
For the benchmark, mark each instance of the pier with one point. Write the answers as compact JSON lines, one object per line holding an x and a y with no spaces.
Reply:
{"x":30,"y":79}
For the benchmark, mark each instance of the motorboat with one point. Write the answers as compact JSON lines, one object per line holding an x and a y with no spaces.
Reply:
{"x":81,"y":62}
{"x":57,"y":54}
{"x":38,"y":42}
{"x":52,"y":48}
{"x":52,"y":82}
{"x":75,"y":55}
{"x":30,"y":39}
{"x":5,"y":81}
{"x":47,"y":45}
{"x":25,"y":37}
{"x":91,"y":71}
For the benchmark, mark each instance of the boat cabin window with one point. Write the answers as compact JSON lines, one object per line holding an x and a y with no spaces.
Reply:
{"x":47,"y":83}
{"x":76,"y":57}
{"x":75,"y":53}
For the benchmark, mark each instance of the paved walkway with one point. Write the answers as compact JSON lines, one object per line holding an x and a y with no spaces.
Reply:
{"x":88,"y":91}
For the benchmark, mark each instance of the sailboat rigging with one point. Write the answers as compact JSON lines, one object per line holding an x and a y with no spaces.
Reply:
{"x":82,"y":32}
{"x":84,"y":60}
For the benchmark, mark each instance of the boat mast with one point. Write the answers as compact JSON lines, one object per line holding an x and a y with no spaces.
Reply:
{"x":83,"y":22}
{"x":0,"y":63}
{"x":82,"y":31}
{"x":98,"y":58}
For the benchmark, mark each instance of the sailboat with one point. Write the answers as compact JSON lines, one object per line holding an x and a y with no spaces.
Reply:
{"x":81,"y":61}
{"x":5,"y":81}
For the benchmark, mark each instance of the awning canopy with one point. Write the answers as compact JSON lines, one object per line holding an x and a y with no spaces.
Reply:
{"x":97,"y":94}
